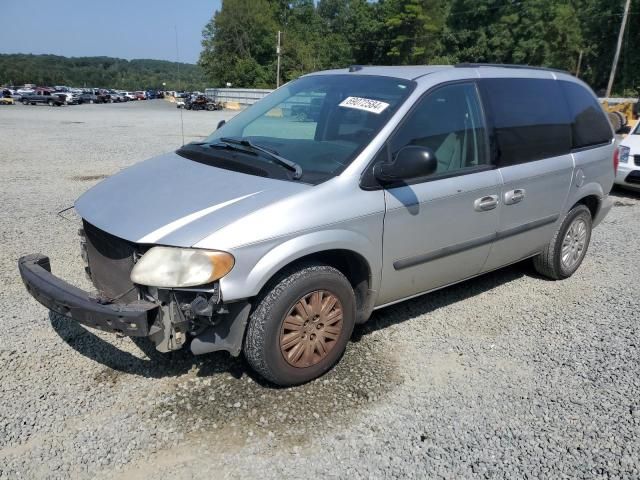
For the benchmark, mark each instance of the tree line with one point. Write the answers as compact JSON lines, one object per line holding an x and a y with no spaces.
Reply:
{"x":239,"y":42}
{"x":100,"y":72}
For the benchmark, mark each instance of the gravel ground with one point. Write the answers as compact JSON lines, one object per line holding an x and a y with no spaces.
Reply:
{"x":505,"y":376}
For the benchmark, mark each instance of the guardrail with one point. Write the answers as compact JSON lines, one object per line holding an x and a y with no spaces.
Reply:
{"x":243,"y":96}
{"x":614,"y":101}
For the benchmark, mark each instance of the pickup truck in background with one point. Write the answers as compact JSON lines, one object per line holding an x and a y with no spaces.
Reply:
{"x":44,"y":96}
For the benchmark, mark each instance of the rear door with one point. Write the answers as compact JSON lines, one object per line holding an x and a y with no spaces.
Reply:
{"x":439,"y":229}
{"x":531,"y":140}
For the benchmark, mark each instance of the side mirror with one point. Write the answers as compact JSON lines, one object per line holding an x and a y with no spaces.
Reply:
{"x":221,"y":123}
{"x":412,"y":161}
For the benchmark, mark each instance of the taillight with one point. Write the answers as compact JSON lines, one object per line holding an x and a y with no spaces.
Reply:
{"x":616,"y":160}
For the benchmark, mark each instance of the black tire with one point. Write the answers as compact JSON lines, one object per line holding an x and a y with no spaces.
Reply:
{"x":262,"y":340}
{"x":25,"y":102}
{"x":50,"y":102}
{"x":549,"y":261}
{"x":615,"y":121}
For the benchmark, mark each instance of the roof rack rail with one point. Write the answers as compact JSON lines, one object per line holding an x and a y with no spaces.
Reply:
{"x":508,"y":65}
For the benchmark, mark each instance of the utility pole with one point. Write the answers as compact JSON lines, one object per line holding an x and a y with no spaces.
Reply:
{"x":278,"y":49}
{"x":616,"y":57}
{"x":579,"y":64}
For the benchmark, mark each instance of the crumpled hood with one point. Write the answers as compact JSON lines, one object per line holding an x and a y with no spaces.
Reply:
{"x":170,"y":200}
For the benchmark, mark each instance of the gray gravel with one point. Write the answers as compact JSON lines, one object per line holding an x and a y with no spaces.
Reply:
{"x":505,"y":376}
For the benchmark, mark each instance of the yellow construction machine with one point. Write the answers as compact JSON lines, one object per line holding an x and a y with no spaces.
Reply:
{"x":623,"y":113}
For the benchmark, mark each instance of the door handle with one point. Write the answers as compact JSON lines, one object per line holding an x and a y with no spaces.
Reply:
{"x":483,"y":204}
{"x":514,"y":196}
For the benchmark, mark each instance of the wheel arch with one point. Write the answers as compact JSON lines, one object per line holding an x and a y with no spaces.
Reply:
{"x":592,"y":202}
{"x":349,"y":252}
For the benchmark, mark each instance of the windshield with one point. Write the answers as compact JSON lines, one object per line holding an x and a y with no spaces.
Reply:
{"x":636,"y":130}
{"x":319,"y":122}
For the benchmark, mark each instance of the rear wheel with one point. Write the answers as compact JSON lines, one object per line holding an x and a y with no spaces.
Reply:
{"x":301,"y":325}
{"x":50,"y":103}
{"x":564,"y":254}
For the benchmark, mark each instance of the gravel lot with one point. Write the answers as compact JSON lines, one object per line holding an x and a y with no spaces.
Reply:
{"x":508,"y":375}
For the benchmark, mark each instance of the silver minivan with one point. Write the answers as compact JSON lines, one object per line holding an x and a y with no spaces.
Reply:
{"x":342,"y":192}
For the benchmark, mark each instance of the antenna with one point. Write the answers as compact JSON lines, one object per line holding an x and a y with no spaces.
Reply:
{"x":175,"y":27}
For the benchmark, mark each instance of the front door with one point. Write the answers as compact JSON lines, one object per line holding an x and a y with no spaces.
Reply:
{"x":439,"y":229}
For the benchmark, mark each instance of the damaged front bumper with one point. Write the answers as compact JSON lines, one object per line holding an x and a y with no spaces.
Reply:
{"x":168,"y":322}
{"x":132,"y":319}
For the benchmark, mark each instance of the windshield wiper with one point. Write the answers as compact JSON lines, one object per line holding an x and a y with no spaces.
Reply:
{"x":285,"y":162}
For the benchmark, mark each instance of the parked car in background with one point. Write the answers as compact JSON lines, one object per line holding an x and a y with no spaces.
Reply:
{"x":130,"y":96}
{"x":90,"y":97}
{"x":70,"y":97}
{"x":23,"y":91}
{"x":448,"y":173}
{"x":45,"y":97}
{"x":151,"y":94}
{"x":140,"y":95}
{"x":116,"y":97}
{"x":95,"y":95}
{"x":628,"y":153}
{"x":200,"y":102}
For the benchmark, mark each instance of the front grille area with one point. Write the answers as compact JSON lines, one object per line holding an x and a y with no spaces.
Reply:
{"x":109,"y":262}
{"x":636,"y":160}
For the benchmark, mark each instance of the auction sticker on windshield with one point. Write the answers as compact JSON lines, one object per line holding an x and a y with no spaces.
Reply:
{"x":366,"y":104}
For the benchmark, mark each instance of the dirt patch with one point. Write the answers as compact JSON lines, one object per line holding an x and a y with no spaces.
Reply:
{"x":246,"y":408}
{"x":88,"y":178}
{"x":618,"y":203}
{"x":107,"y":376}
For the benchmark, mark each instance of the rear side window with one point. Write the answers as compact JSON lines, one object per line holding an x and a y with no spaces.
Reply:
{"x":530,"y":118}
{"x":589,"y":125}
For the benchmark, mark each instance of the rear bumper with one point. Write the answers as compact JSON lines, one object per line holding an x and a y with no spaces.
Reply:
{"x":131,"y":319}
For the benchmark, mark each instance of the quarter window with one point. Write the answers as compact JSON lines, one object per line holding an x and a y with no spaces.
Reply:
{"x":449,"y":121}
{"x":589,"y":125}
{"x":530,"y":117}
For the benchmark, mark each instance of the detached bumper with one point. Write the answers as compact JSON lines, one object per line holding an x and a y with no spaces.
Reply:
{"x":132,"y":319}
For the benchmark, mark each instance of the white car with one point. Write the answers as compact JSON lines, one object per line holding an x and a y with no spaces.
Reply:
{"x":70,"y":98}
{"x":628,"y":174}
{"x":129,"y":95}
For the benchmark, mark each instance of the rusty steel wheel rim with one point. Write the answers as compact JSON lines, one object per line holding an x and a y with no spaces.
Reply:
{"x":311,"y":329}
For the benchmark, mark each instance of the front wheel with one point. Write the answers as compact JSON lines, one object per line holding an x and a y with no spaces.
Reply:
{"x":568,"y":247}
{"x":50,"y":103}
{"x":301,"y":325}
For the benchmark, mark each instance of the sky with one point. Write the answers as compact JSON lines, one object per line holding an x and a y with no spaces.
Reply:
{"x":116,"y":28}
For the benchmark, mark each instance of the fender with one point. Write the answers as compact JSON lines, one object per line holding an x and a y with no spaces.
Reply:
{"x":586,"y":190}
{"x":236,"y":285}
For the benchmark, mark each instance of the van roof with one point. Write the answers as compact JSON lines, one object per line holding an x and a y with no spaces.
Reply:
{"x":412,"y":72}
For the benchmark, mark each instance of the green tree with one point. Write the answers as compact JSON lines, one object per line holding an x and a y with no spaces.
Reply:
{"x":238,"y":44}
